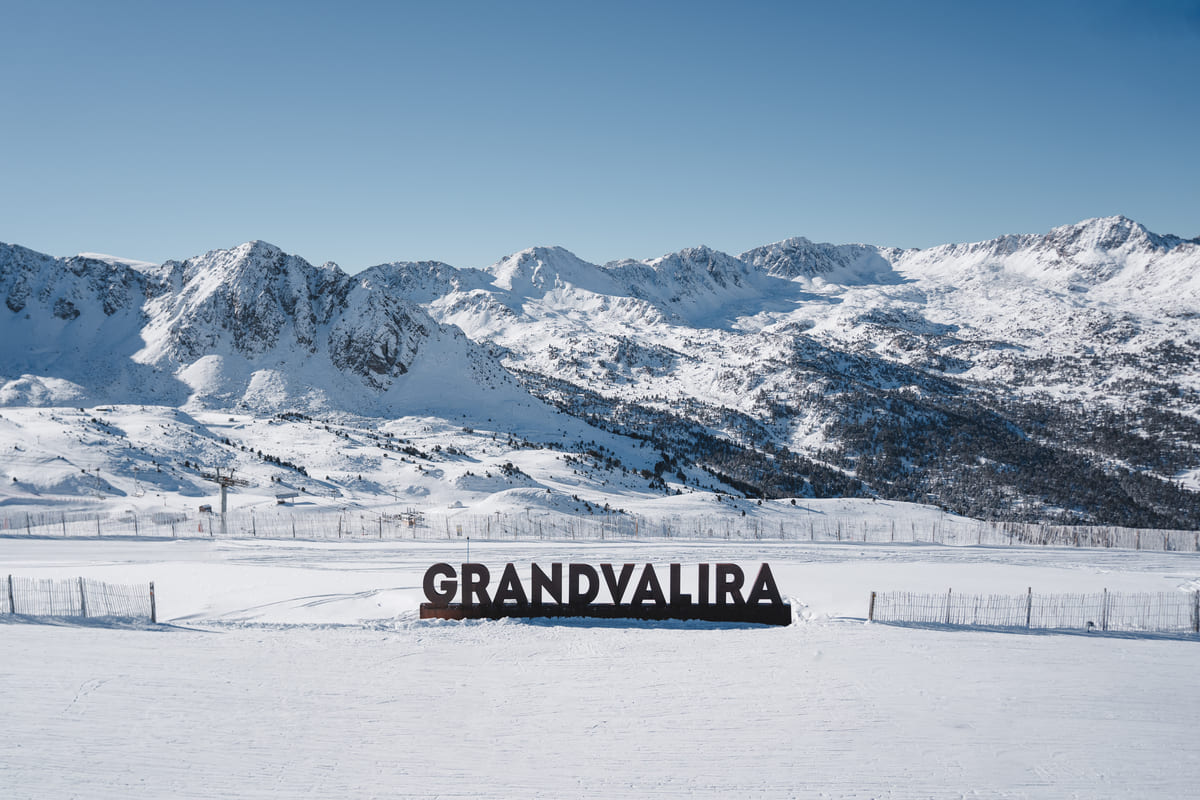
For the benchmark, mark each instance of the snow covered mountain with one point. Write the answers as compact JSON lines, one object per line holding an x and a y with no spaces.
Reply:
{"x":69,"y":324}
{"x":1028,"y":376}
{"x":251,"y":327}
{"x":975,"y":376}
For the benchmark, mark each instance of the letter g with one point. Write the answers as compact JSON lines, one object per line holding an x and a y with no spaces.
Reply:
{"x":448,"y":587}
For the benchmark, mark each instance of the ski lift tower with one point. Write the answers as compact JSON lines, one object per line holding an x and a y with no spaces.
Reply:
{"x":224,"y":481}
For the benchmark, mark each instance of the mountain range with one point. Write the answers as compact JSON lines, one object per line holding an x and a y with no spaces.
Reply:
{"x":1047,"y":376}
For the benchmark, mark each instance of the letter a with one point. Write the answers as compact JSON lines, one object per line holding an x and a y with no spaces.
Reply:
{"x":510,"y":588}
{"x":648,"y":588}
{"x":764,"y":588}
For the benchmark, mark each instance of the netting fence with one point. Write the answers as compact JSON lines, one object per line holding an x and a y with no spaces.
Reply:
{"x":1161,"y":612}
{"x":82,"y":598}
{"x":349,"y":523}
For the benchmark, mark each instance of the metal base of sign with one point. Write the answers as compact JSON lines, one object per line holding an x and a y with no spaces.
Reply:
{"x":760,"y":614}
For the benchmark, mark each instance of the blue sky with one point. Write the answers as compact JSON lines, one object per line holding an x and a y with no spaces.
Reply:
{"x":463,"y":131}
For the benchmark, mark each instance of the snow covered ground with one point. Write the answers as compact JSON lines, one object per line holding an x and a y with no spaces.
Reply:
{"x":301,"y":670}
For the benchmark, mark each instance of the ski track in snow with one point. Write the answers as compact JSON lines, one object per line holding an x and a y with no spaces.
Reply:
{"x":300,"y":670}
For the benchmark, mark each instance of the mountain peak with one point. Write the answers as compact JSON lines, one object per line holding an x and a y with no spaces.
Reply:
{"x":1106,"y":234}
{"x":255,"y":263}
{"x":255,"y":295}
{"x":259,"y":247}
{"x":698,"y":255}
{"x":543,"y":254}
{"x":538,"y":269}
{"x":1112,"y":228}
{"x":799,"y":257}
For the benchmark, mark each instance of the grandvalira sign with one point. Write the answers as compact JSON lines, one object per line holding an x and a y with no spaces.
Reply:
{"x":714,"y":592}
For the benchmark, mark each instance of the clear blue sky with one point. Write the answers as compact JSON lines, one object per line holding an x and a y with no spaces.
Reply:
{"x":366,"y":132}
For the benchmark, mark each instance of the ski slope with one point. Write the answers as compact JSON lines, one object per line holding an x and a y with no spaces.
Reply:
{"x":301,"y":670}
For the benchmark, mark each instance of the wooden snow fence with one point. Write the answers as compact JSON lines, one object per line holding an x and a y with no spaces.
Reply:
{"x":1161,"y":612}
{"x":346,"y":523}
{"x":82,"y":598}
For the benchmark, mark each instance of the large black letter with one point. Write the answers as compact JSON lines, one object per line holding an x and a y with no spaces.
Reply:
{"x":448,"y":587}
{"x":510,"y":588}
{"x":764,"y":588}
{"x":648,"y":588}
{"x":552,"y":585}
{"x":578,"y":596}
{"x":678,"y":598}
{"x":616,"y":586}
{"x":729,"y":583}
{"x":475,"y":579}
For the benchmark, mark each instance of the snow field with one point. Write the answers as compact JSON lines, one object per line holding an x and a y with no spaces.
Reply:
{"x":300,"y":670}
{"x":529,"y":710}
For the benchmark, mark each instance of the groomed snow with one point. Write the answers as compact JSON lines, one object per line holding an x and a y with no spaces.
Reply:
{"x":300,"y":670}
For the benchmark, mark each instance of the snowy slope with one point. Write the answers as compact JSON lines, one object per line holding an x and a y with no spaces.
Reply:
{"x":797,"y":343}
{"x":69,"y":330}
{"x":1031,"y":375}
{"x":250,"y":327}
{"x":299,"y":670}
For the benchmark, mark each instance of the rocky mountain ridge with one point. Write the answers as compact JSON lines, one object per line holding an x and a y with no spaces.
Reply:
{"x":1029,"y":376}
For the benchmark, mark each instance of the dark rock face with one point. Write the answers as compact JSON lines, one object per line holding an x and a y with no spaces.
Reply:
{"x":65,"y":309}
{"x":256,"y":295}
{"x":380,"y":339}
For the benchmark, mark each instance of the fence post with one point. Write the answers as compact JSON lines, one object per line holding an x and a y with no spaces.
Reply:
{"x":1104,"y":612}
{"x":871,"y":610}
{"x":948,"y":594}
{"x":1028,"y":607}
{"x":82,"y":597}
{"x":153,"y":605}
{"x":1196,"y":611}
{"x":12,"y":602}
